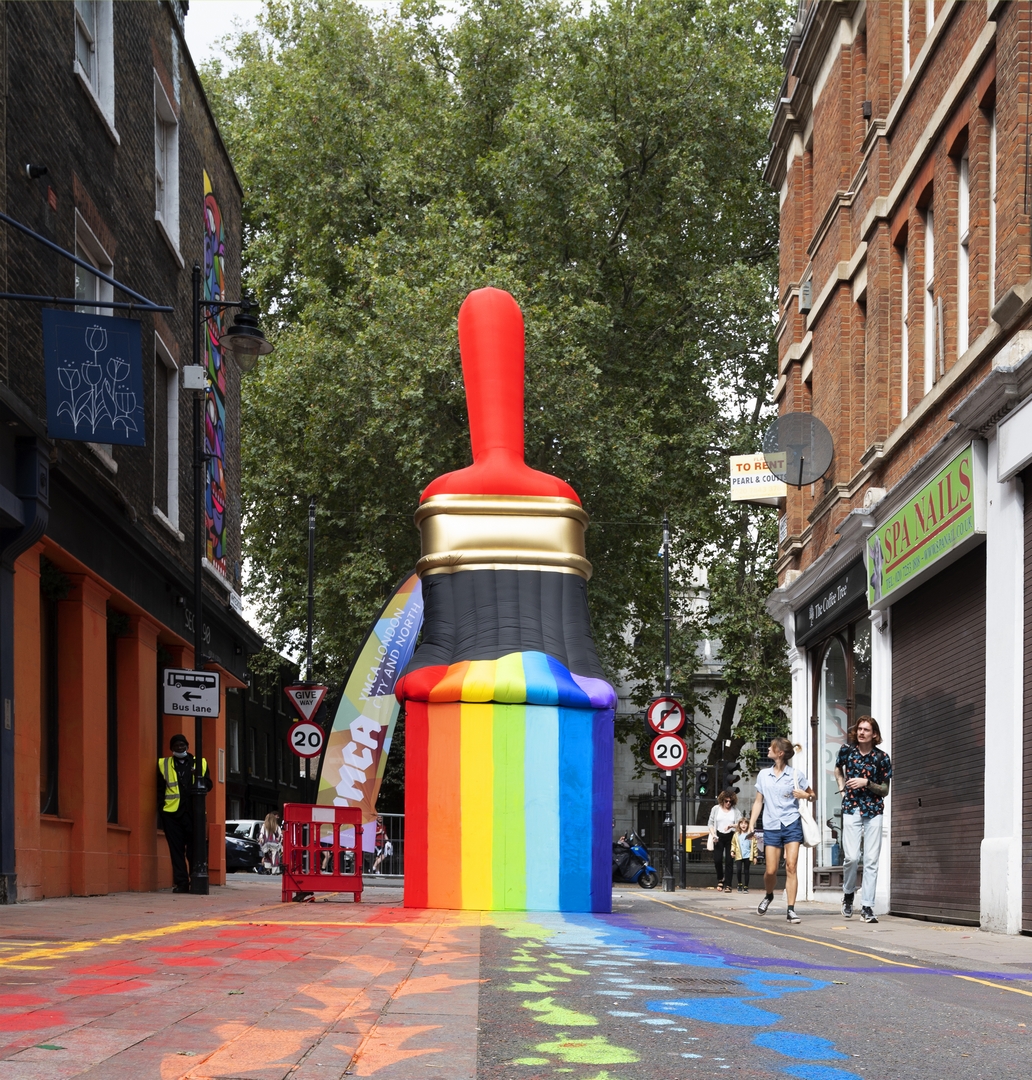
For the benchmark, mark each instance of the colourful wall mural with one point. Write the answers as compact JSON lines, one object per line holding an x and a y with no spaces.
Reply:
{"x":215,"y":399}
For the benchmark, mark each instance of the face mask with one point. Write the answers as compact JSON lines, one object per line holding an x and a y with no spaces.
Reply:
{"x":179,"y":754}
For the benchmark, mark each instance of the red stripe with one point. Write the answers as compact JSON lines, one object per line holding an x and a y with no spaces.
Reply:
{"x":417,"y":733}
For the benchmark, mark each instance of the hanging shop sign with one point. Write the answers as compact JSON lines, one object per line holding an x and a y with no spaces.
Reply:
{"x":752,"y":480}
{"x":933,"y":528}
{"x":826,"y":608}
{"x":94,"y":372}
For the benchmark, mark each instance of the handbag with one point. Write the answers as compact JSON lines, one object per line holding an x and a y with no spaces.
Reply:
{"x":811,"y":832}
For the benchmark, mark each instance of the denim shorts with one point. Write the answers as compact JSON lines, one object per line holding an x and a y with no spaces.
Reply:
{"x":792,"y":833}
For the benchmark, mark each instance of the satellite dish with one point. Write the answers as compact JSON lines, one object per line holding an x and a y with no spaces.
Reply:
{"x":798,"y":448}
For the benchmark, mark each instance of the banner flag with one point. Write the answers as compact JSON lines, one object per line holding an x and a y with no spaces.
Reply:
{"x":360,"y":739}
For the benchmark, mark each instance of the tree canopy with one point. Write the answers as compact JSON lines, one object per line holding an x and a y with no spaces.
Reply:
{"x":603,"y":165}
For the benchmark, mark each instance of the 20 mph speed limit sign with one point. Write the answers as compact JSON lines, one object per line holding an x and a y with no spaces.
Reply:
{"x":306,"y":740}
{"x":668,"y":751}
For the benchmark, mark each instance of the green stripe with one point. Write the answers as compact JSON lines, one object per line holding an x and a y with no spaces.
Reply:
{"x":509,"y":873}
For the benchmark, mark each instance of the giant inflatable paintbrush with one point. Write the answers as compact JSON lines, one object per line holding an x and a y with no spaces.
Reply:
{"x":509,"y":718}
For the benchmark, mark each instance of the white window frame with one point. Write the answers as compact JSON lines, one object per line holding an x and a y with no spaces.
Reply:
{"x":963,"y":252}
{"x":929,"y":300}
{"x":163,"y":356}
{"x":99,"y":79}
{"x":992,"y":210}
{"x":88,"y":247}
{"x":929,"y":16}
{"x":166,"y":169}
{"x":906,"y":43}
{"x":905,"y":337}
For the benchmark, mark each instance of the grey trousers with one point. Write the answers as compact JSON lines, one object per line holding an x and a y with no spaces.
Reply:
{"x":853,"y":827}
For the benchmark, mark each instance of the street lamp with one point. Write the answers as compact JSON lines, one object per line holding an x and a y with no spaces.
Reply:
{"x":245,"y":341}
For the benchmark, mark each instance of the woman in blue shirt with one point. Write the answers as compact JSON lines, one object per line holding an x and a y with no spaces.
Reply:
{"x":778,"y":791}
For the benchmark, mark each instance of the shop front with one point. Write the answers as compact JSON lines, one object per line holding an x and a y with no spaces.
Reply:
{"x":834,"y":627}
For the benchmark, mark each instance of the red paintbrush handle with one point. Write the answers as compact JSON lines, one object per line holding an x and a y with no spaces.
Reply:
{"x":491,"y":343}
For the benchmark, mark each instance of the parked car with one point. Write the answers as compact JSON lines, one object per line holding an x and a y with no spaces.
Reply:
{"x":243,"y":852}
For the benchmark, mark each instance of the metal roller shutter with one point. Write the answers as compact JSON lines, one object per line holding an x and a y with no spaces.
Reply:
{"x":938,"y":744}
{"x":1026,"y":774}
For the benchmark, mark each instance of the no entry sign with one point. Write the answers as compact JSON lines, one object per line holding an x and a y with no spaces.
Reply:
{"x":668,"y":751}
{"x":665,"y":715}
{"x":306,"y":740}
{"x":306,"y":698}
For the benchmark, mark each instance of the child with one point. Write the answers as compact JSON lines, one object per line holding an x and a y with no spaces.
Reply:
{"x":743,"y":851}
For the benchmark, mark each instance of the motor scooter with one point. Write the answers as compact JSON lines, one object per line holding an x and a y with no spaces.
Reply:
{"x":631,"y":862}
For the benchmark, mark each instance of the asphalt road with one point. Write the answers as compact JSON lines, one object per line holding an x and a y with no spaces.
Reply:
{"x":666,"y":991}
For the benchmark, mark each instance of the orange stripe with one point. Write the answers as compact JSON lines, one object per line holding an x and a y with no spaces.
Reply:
{"x":450,"y":687}
{"x":444,"y":834}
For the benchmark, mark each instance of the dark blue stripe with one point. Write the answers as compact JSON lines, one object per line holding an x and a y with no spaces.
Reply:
{"x":602,"y":810}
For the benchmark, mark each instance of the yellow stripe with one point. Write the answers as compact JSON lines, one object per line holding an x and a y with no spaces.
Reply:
{"x":829,"y":945}
{"x":479,"y":681}
{"x":476,"y":787}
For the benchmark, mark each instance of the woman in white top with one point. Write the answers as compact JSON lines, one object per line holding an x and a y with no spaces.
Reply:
{"x":722,"y":821}
{"x":778,"y":791}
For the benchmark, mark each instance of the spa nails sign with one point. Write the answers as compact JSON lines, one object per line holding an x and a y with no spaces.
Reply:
{"x":94,"y":372}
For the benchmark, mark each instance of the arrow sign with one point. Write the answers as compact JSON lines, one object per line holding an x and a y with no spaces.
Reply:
{"x":306,"y":698}
{"x":665,"y":715}
{"x":191,"y":693}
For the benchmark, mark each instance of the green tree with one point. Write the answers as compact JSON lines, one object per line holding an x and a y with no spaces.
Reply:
{"x":604,"y":166}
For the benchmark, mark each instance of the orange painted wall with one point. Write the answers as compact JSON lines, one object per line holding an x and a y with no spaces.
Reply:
{"x":78,"y":852}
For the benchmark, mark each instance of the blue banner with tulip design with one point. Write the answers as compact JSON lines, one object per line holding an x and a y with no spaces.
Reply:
{"x":94,"y":366}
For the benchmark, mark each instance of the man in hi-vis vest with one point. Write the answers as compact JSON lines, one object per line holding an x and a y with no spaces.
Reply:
{"x":175,"y":789}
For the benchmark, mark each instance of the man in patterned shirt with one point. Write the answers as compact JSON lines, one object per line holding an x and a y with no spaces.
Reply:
{"x":863,"y":773}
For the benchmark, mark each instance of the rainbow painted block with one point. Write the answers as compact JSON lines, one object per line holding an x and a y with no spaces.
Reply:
{"x":508,"y":803}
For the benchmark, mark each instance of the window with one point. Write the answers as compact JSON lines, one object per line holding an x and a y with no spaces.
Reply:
{"x":906,"y":38}
{"x":929,"y":301}
{"x":112,"y":717}
{"x":166,"y":168}
{"x":992,"y":210}
{"x":88,"y":287}
{"x":963,"y":252}
{"x":94,"y":58}
{"x":48,"y":685}
{"x":166,"y":434}
{"x":281,"y":777}
{"x":843,"y":693}
{"x":904,"y":337}
{"x":267,"y":770}
{"x":252,"y":763}
{"x":929,"y":16}
{"x":234,"y":748}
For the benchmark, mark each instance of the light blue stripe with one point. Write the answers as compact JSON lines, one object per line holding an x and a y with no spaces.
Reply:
{"x":541,"y":807}
{"x":541,"y":687}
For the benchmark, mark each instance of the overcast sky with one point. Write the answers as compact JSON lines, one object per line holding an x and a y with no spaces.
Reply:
{"x":209,"y":20}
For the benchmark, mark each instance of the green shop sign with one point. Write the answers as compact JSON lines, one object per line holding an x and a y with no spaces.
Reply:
{"x":934,"y":527}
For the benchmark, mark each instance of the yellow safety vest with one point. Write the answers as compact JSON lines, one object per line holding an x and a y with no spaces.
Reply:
{"x":167,"y":768}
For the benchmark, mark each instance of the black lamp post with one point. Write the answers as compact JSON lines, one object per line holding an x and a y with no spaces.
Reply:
{"x":245,"y":342}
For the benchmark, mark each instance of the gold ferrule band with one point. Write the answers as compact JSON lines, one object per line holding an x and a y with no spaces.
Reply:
{"x":460,"y":532}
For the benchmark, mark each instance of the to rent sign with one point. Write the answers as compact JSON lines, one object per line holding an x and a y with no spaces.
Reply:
{"x":934,"y":527}
{"x":752,"y":480}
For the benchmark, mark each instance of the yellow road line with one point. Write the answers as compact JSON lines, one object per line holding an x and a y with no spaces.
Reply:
{"x":830,"y":945}
{"x":56,"y":952}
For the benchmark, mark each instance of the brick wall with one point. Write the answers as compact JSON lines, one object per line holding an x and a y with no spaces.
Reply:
{"x":50,"y":120}
{"x":872,"y":182}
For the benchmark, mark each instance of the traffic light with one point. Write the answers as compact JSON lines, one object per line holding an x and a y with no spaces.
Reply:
{"x":702,"y":784}
{"x":729,"y":776}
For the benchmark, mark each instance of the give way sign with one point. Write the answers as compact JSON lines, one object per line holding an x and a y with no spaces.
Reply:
{"x":306,"y":698}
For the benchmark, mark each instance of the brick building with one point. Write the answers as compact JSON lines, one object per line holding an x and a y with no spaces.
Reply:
{"x":901,"y":152}
{"x":97,"y":577}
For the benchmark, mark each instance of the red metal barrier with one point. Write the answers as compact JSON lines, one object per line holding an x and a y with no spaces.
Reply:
{"x":314,"y":857}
